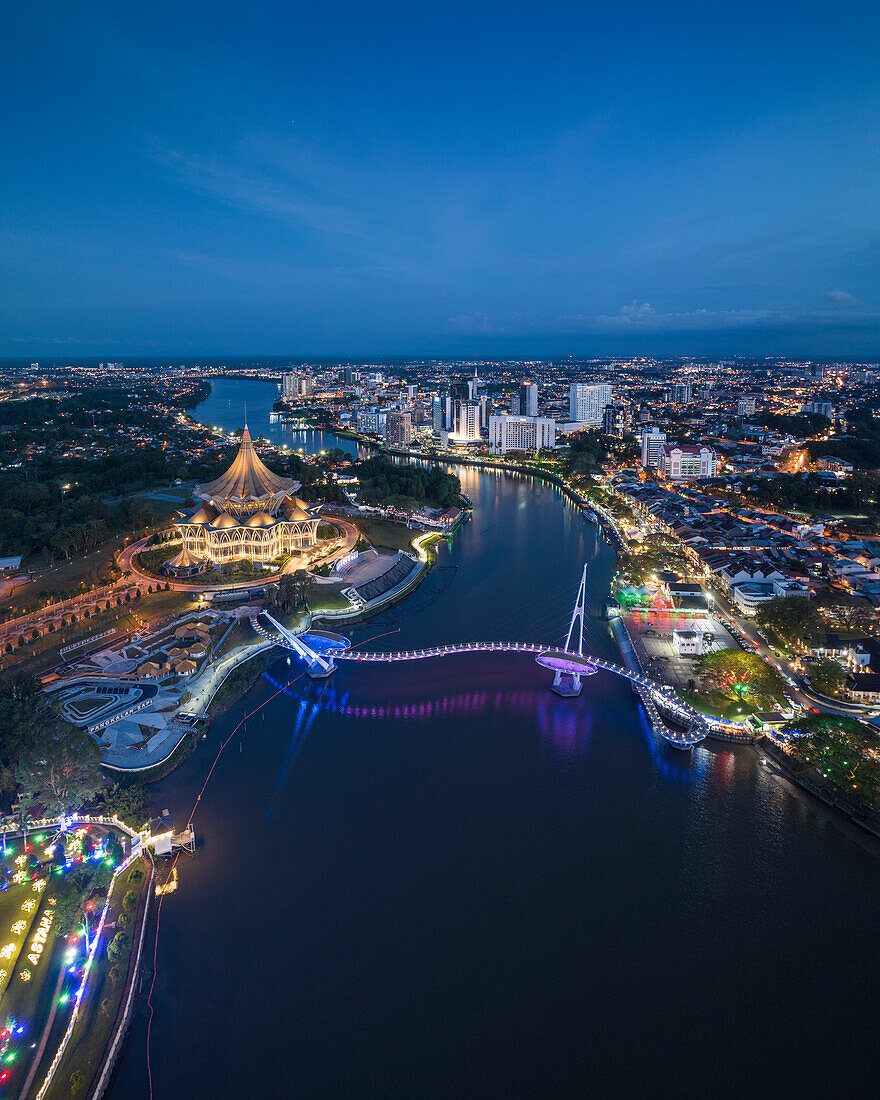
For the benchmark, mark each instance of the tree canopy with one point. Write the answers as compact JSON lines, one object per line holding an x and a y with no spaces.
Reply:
{"x":51,"y":764}
{"x":407,"y":487}
{"x":793,"y":620}
{"x":735,"y":673}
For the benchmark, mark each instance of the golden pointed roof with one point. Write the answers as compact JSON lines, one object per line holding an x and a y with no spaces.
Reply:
{"x":184,"y":560}
{"x":259,"y":519}
{"x":223,"y":521}
{"x":248,"y":478}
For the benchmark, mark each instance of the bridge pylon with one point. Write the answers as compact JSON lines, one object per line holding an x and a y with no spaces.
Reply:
{"x":567,"y":680}
{"x":318,"y":665}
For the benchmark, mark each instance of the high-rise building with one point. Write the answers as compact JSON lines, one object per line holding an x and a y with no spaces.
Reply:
{"x":823,"y":408}
{"x":586,"y":403}
{"x":467,"y":422}
{"x":652,"y":446}
{"x":616,"y":420}
{"x":746,"y":406}
{"x":372,"y":421}
{"x":294,"y":384}
{"x":347,"y":376}
{"x":525,"y":400}
{"x":441,"y":413}
{"x":398,"y":428}
{"x":460,"y":390}
{"x":682,"y":393}
{"x":521,"y":433}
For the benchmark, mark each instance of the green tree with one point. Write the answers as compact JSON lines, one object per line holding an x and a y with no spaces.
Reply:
{"x":827,"y":677}
{"x":793,"y":620}
{"x":131,"y":804}
{"x":59,"y":770}
{"x":290,"y":594}
{"x":118,"y":945}
{"x":735,"y":674}
{"x":847,"y":608}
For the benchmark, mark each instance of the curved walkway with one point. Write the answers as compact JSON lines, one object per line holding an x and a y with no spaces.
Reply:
{"x":649,"y":690}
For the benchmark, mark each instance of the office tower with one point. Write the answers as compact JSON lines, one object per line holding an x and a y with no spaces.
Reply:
{"x":467,"y":422}
{"x":746,"y":406}
{"x":525,"y":400}
{"x":441,"y":413}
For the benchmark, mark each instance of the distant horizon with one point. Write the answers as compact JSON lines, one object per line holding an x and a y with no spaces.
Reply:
{"x":244,"y":359}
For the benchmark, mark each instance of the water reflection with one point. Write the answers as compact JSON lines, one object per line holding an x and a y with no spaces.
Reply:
{"x":562,"y":725}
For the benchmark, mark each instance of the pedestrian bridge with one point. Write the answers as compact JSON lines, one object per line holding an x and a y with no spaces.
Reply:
{"x":321,"y":651}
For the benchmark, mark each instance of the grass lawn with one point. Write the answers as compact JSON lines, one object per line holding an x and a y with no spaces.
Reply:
{"x":386,"y":534}
{"x":241,"y":632}
{"x":100,"y":1003}
{"x":716,"y":705}
{"x":93,"y":569}
{"x":38,"y":968}
{"x":327,"y":599}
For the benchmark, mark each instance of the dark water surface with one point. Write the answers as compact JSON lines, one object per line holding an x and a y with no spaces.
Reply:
{"x":232,"y":401}
{"x":437,"y":878}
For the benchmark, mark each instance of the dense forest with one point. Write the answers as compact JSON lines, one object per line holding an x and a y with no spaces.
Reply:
{"x":406,"y":487}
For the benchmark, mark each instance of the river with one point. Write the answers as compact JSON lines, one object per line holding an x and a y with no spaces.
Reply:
{"x":440,"y":879}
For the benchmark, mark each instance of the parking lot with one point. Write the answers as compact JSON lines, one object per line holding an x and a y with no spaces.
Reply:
{"x":651,"y":635}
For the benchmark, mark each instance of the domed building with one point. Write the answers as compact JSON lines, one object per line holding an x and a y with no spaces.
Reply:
{"x":248,"y":512}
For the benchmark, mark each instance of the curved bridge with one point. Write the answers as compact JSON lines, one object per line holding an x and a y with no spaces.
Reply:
{"x":654,"y":696}
{"x":321,"y":651}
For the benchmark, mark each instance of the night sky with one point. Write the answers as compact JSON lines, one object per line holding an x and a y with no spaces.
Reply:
{"x":466,"y":178}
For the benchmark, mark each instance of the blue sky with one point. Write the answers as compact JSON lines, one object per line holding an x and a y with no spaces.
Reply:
{"x":481,"y":178}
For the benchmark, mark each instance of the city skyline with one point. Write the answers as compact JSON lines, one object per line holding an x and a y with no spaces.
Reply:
{"x":539,"y":182}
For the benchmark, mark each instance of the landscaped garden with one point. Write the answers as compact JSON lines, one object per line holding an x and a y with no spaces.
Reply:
{"x":53,"y":886}
{"x":842,"y":750}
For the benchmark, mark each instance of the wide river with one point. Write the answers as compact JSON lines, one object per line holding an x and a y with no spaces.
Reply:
{"x":441,"y":879}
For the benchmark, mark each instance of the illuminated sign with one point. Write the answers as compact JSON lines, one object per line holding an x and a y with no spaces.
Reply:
{"x":41,"y":936}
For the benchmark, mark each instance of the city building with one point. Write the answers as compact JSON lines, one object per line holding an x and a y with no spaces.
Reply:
{"x":371,"y":421}
{"x":682,"y":393}
{"x":682,"y":462}
{"x":822,"y":408}
{"x":467,"y":422}
{"x":746,"y":406}
{"x":297,"y":385}
{"x":398,"y":429}
{"x":616,"y":420}
{"x":653,"y":441}
{"x":441,"y":413}
{"x":586,"y":403}
{"x":525,"y":401}
{"x":247,"y":512}
{"x":521,"y":433}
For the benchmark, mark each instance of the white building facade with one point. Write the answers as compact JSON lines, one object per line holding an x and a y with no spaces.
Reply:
{"x":586,"y":403}
{"x":521,"y":433}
